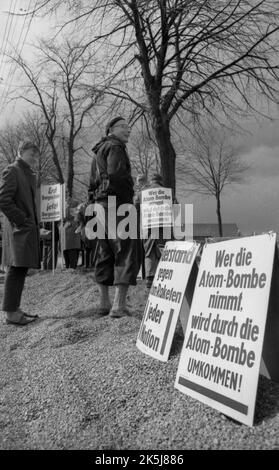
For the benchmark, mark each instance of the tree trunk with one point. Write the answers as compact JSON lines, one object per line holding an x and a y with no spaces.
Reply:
{"x":39,"y":178}
{"x":166,"y":151}
{"x":70,"y":172}
{"x":56,"y":160}
{"x":218,"y":210}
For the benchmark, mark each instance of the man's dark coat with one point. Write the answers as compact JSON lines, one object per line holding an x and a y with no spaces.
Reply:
{"x":18,"y":203}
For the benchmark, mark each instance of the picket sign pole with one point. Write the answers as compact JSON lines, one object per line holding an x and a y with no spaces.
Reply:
{"x":62,"y":242}
{"x":63,"y":215}
{"x":53,"y":245}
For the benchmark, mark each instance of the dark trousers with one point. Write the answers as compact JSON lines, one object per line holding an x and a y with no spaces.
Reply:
{"x":117,"y":261}
{"x":13,"y":287}
{"x":86,"y":256}
{"x":47,"y":256}
{"x":71,"y":258}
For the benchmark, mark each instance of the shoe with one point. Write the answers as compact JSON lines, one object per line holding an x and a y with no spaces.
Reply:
{"x":123,"y":312}
{"x":31,"y":316}
{"x":22,"y":321}
{"x":103,"y":311}
{"x":27,"y":314}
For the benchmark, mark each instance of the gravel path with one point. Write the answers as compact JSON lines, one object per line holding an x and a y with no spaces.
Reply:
{"x":76,"y":381}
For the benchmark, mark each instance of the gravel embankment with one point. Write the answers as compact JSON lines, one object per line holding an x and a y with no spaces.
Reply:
{"x":75,"y":381}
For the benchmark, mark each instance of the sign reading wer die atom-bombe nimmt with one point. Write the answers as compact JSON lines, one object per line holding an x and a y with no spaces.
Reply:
{"x":221,"y":354}
{"x":156,"y":207}
{"x":165,"y":299}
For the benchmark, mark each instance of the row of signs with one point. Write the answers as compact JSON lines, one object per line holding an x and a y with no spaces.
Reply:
{"x":156,"y":205}
{"x":232,"y":320}
{"x":229,"y":317}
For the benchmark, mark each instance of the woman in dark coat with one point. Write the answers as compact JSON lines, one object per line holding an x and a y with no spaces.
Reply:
{"x":71,"y":239}
{"x":20,"y":232}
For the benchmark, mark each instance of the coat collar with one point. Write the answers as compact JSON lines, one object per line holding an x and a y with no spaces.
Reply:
{"x":24,"y":165}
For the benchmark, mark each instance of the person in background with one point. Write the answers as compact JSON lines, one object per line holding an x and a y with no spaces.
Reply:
{"x":1,"y":265}
{"x":87,"y":246}
{"x":47,"y":246}
{"x":71,"y":239}
{"x":21,"y":248}
{"x":153,"y":246}
{"x":116,"y":257}
{"x":141,"y":183}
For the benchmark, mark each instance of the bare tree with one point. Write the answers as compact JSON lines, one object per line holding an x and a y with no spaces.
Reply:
{"x":64,"y":99}
{"x":72,"y":63}
{"x":9,"y":141}
{"x":184,"y":57}
{"x":143,"y":152}
{"x":213,"y":164}
{"x":32,"y":127}
{"x":44,"y":97}
{"x":29,"y":127}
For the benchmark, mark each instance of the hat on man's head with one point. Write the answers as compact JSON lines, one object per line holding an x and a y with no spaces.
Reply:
{"x":26,"y":145}
{"x":156,"y":178}
{"x":113,"y":121}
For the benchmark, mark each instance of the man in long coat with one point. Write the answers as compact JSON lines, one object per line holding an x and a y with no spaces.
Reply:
{"x":21,"y":249}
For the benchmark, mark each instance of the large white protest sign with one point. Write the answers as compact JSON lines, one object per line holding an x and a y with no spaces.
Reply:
{"x":165,"y":299}
{"x":221,"y":354}
{"x":156,"y":207}
{"x":50,"y":203}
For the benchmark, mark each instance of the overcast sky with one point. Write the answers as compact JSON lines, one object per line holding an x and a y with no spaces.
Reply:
{"x":253,"y":205}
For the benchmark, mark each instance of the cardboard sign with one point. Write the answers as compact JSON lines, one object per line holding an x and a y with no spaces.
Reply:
{"x":221,"y":354}
{"x":156,"y":207}
{"x":165,"y":299}
{"x":270,"y":356}
{"x":50,"y":202}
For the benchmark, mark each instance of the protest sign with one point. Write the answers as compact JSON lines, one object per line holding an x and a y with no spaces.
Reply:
{"x":50,"y":203}
{"x":156,"y":207}
{"x":165,"y":299}
{"x":270,"y":355}
{"x":221,"y":354}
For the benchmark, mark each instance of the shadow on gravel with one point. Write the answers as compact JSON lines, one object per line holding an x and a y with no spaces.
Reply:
{"x":83,"y":313}
{"x":88,"y":312}
{"x":267,"y":403}
{"x":75,"y":336}
{"x":176,"y":344}
{"x":89,"y":272}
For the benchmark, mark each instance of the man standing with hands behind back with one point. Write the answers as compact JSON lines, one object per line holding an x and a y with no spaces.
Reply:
{"x":116,"y":260}
{"x":21,"y":248}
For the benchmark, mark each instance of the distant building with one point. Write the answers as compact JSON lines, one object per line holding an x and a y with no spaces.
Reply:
{"x":203,"y":231}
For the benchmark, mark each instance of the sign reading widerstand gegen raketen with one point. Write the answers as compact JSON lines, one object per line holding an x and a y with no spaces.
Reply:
{"x":165,"y":299}
{"x":221,"y":354}
{"x":50,"y":203}
{"x":156,"y":207}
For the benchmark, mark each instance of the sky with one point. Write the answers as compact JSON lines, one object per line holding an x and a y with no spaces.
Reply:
{"x":253,"y":205}
{"x":16,"y":32}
